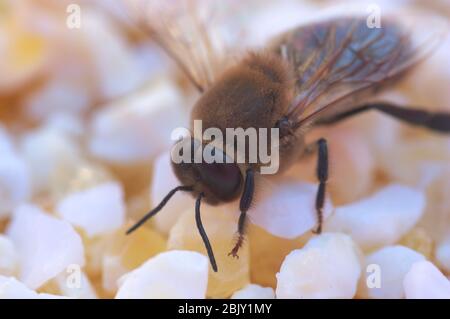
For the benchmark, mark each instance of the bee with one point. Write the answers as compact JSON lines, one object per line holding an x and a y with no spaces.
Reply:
{"x":315,"y":74}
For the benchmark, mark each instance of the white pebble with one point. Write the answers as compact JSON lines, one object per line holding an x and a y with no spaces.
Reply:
{"x":253,"y":291}
{"x":58,"y":95}
{"x":287,"y":208}
{"x":381,"y":219}
{"x":429,"y":86}
{"x":425,"y":281}
{"x":68,"y":124}
{"x":8,"y":257}
{"x":6,"y":143}
{"x":15,"y":182}
{"x":46,"y":246}
{"x":49,"y":152}
{"x":165,"y":180}
{"x":328,"y":266}
{"x":385,"y":270}
{"x":114,"y":66}
{"x":11,"y":288}
{"x":443,"y":254}
{"x":138,"y":127}
{"x":97,"y":210}
{"x":174,"y":274}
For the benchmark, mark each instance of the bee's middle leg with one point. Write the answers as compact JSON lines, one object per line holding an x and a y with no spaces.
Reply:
{"x":322,"y":175}
{"x":244,"y":205}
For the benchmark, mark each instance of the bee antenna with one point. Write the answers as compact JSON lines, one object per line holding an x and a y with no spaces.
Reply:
{"x":202,"y":232}
{"x":161,"y":205}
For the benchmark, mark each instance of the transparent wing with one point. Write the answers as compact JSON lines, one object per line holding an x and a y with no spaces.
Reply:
{"x":339,"y":61}
{"x":185,"y":30}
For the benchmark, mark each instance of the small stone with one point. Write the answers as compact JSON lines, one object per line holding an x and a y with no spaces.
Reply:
{"x":381,"y":219}
{"x":69,"y":124}
{"x":49,"y":154}
{"x":220,"y":226}
{"x":57,"y":95}
{"x":443,"y":254}
{"x":46,"y":246}
{"x":425,"y":281}
{"x":8,"y":257}
{"x":422,"y":159}
{"x":121,"y":131}
{"x":95,"y":248}
{"x":114,"y":66}
{"x":174,"y":274}
{"x":436,"y":219}
{"x":127,"y":252}
{"x":429,"y":85}
{"x":97,"y":210}
{"x":11,"y":288}
{"x":418,"y":239}
{"x":15,"y":182}
{"x":269,"y":256}
{"x":287,"y":208}
{"x":253,"y":291}
{"x":24,"y":52}
{"x":393,"y":263}
{"x":328,"y":266}
{"x":351,"y":165}
{"x":6,"y":143}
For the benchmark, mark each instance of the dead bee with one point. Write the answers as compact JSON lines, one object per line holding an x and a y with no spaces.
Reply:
{"x":317,"y":74}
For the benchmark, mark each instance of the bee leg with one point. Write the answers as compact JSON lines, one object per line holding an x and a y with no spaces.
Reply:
{"x":203,"y":234}
{"x":436,"y":121}
{"x":244,"y":205}
{"x":322,"y":176}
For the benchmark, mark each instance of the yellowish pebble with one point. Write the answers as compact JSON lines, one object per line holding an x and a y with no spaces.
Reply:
{"x":267,"y":253}
{"x":85,"y":176}
{"x":139,"y":205}
{"x":135,"y":177}
{"x":23,"y":56}
{"x":137,"y":247}
{"x":95,"y":248}
{"x":125,"y":253}
{"x":419,"y":240}
{"x":3,"y":224}
{"x":436,"y":220}
{"x":221,"y":226}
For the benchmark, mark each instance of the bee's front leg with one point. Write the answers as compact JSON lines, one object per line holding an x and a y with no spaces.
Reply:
{"x":244,"y":205}
{"x":322,"y":176}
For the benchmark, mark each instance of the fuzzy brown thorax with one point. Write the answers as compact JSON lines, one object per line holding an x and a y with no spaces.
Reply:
{"x":255,"y":93}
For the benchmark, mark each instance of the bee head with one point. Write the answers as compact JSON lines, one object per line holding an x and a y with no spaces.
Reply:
{"x":217,"y":177}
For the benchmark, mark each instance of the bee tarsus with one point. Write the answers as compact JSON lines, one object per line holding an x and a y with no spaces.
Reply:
{"x":244,"y":205}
